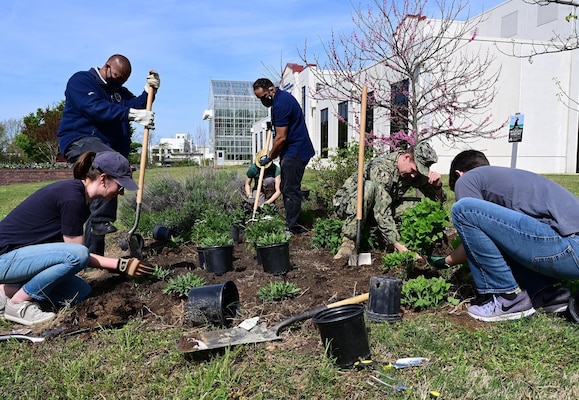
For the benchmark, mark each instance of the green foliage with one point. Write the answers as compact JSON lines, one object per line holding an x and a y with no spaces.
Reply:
{"x":278,"y":290}
{"x":38,"y":137}
{"x":216,"y":239}
{"x":271,"y":238}
{"x":392,"y":260}
{"x":423,"y":225}
{"x":327,"y":233}
{"x":160,"y":273}
{"x":178,"y":204}
{"x":333,"y":171}
{"x":422,"y":293}
{"x":182,"y":284}
{"x":263,"y":226}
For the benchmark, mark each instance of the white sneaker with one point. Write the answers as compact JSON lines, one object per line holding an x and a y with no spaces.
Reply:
{"x":26,"y":313}
{"x":3,"y":300}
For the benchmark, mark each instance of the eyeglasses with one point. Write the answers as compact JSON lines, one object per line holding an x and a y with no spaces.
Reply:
{"x":121,"y":187}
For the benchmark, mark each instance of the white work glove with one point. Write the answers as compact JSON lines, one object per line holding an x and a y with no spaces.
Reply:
{"x":153,"y":80}
{"x":143,"y":117}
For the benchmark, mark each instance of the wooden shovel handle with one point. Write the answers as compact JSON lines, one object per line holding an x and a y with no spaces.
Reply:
{"x":361,"y":154}
{"x":309,"y":314}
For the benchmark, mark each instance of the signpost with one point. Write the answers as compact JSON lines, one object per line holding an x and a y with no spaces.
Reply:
{"x":516,"y":124}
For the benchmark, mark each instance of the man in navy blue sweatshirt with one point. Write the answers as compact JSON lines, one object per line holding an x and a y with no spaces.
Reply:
{"x":96,"y":117}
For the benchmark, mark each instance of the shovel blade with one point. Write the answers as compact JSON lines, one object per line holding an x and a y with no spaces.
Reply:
{"x":190,"y":343}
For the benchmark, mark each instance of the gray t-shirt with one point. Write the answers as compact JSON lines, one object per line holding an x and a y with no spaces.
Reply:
{"x":525,"y":192}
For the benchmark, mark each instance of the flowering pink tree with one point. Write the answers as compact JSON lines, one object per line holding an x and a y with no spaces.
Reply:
{"x":425,"y":72}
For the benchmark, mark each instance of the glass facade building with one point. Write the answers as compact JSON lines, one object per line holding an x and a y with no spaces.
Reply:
{"x":235,"y":110}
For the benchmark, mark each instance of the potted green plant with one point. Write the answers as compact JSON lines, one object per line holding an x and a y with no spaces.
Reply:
{"x":212,"y":235}
{"x":273,"y":252}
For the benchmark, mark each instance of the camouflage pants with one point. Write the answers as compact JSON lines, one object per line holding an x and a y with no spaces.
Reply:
{"x":377,"y":206}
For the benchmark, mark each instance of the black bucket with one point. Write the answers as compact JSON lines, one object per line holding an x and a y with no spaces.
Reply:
{"x":161,"y":233}
{"x":218,"y":259}
{"x":201,"y":255}
{"x":573,"y":307}
{"x":384,"y":299}
{"x":212,"y":304}
{"x":274,"y":258}
{"x":343,"y":331}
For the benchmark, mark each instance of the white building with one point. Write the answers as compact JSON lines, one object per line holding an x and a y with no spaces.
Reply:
{"x":528,"y":86}
{"x":179,"y":148}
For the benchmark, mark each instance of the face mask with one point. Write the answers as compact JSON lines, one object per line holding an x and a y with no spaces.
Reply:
{"x":113,"y":84}
{"x":267,"y":101}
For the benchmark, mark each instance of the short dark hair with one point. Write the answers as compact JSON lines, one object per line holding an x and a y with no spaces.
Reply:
{"x":262,"y":83}
{"x":465,"y":161}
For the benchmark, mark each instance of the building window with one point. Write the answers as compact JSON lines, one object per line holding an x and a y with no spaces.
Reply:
{"x":304,"y":100}
{"x":399,"y":107}
{"x":370,"y":113}
{"x":324,"y":133}
{"x":342,"y":124}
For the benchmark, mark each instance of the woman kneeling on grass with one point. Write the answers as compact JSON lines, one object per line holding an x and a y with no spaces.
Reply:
{"x":42,"y":243}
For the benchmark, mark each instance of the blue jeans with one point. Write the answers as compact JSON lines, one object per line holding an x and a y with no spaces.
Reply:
{"x":506,"y":248}
{"x":292,"y":173}
{"x":47,"y":272}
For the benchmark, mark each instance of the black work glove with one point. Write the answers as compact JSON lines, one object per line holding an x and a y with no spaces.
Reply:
{"x":264,"y":160}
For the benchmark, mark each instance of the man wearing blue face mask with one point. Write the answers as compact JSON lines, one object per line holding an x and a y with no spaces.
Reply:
{"x":96,"y":117}
{"x":292,"y":144}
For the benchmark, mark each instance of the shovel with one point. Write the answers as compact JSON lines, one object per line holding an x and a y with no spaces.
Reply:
{"x":261,"y":171}
{"x":364,"y":258}
{"x":135,"y":242}
{"x":235,"y":336}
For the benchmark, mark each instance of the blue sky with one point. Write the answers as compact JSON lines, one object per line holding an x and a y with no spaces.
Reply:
{"x":190,"y":42}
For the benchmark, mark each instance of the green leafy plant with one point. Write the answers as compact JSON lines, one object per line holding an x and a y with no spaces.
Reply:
{"x":216,"y":239}
{"x":333,"y":170}
{"x":423,"y":293}
{"x":182,"y":284}
{"x":392,"y":260}
{"x":272,"y":238}
{"x":423,"y":225}
{"x":160,"y":273}
{"x":263,"y":226}
{"x":278,"y":290}
{"x":327,"y":233}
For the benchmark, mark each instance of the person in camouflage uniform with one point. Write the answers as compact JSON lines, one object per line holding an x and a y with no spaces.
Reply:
{"x":387,"y":178}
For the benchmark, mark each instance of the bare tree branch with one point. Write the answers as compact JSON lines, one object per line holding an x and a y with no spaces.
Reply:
{"x":449,"y":78}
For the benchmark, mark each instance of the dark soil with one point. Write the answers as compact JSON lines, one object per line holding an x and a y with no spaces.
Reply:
{"x":117,"y":299}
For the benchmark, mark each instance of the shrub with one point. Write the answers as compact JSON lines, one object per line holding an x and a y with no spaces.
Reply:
{"x":278,"y":290}
{"x":423,"y":225}
{"x":263,"y":226}
{"x":178,"y":204}
{"x":272,"y":238}
{"x":333,"y":171}
{"x":423,"y":293}
{"x":182,"y":284}
{"x":327,"y":233}
{"x":392,"y":260}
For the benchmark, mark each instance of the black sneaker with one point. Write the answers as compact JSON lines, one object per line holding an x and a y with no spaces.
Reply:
{"x":103,"y":228}
{"x":298,"y":229}
{"x":552,"y":299}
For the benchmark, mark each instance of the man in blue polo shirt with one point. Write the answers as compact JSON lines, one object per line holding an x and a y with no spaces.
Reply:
{"x":292,"y":144}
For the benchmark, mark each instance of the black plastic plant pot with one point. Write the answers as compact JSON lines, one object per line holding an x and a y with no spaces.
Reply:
{"x":161,"y":233}
{"x":384,"y":299}
{"x":201,"y":255}
{"x":343,"y":332}
{"x":573,"y":307}
{"x":236,"y":233}
{"x":275,"y":258}
{"x":218,"y":259}
{"x":212,"y":304}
